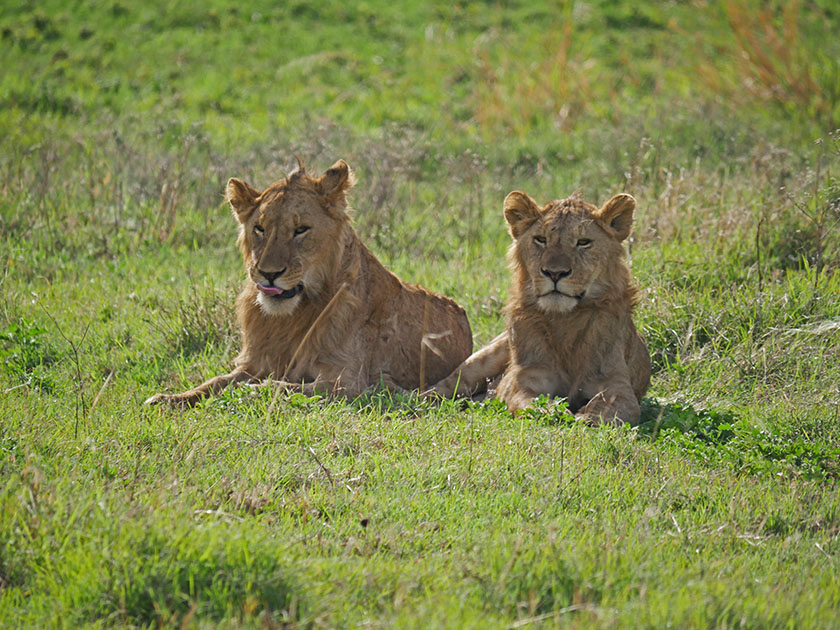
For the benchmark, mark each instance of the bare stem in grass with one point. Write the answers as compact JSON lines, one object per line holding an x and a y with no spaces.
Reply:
{"x":660,"y":416}
{"x":553,"y":614}
{"x":817,"y":220}
{"x":49,"y":162}
{"x":80,"y":391}
{"x":562,"y":458}
{"x":5,"y":301}
{"x":136,"y":472}
{"x":321,"y":464}
{"x":472,"y":442}
{"x":169,"y":195}
{"x":758,"y":253}
{"x":101,"y":389}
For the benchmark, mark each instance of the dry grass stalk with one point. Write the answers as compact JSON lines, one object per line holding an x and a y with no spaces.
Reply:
{"x":170,"y":195}
{"x":513,"y":93}
{"x":101,"y":390}
{"x":772,"y":61}
{"x":321,"y":317}
{"x":423,"y":345}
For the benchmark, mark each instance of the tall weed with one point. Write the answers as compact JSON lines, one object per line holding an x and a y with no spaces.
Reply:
{"x":780,"y":55}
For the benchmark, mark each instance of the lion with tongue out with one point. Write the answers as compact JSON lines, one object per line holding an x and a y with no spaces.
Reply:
{"x":319,"y":312}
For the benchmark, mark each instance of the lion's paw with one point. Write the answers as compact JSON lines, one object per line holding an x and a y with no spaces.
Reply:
{"x":173,"y":400}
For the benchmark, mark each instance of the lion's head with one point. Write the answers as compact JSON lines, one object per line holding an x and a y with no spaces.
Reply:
{"x":291,"y":234}
{"x":569,"y":252}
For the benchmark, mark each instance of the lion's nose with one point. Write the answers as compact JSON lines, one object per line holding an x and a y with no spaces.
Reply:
{"x":271,"y":275}
{"x":554,"y":276}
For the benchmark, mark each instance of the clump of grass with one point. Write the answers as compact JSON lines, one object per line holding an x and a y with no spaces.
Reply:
{"x":799,"y":226}
{"x":27,"y":354}
{"x":139,"y":571}
{"x":388,"y":166}
{"x":705,"y":425}
{"x":115,"y":191}
{"x":191,"y":574}
{"x":203,"y":317}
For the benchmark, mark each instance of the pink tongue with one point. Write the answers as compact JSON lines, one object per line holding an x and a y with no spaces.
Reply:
{"x":269,"y":290}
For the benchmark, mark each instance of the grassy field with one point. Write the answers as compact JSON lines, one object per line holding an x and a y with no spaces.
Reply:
{"x":120,"y":122}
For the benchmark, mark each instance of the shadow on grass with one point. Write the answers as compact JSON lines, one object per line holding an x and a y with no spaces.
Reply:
{"x":717,"y":435}
{"x":706,"y":425}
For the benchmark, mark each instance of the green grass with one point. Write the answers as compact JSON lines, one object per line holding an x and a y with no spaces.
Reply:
{"x":120,"y":123}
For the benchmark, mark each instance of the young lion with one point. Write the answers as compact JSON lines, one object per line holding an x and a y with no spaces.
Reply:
{"x":569,"y":327}
{"x":318,"y":308}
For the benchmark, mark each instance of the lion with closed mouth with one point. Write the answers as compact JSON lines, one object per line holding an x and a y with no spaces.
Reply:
{"x":319,"y":312}
{"x":570,"y":331}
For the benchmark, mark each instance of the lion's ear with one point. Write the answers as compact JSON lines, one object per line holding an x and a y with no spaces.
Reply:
{"x":520,"y":212}
{"x":617,"y":215}
{"x":242,"y":198}
{"x":336,"y":181}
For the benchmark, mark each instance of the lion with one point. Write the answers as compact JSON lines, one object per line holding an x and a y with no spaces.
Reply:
{"x":570,"y":331}
{"x":319,"y":312}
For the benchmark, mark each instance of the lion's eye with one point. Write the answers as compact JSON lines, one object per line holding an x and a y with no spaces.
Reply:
{"x":539,"y":240}
{"x":584,"y":242}
{"x":258,"y":230}
{"x":303,"y":229}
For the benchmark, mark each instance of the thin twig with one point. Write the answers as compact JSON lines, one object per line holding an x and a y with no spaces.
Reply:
{"x":818,"y":546}
{"x":101,"y":389}
{"x":555,"y":613}
{"x":758,"y":254}
{"x":321,"y":464}
{"x":11,"y":389}
{"x":75,"y":349}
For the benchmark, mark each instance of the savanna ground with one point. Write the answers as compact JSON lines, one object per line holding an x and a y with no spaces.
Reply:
{"x":120,"y":123}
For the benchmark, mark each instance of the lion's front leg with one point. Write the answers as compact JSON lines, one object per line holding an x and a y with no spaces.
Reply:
{"x":612,"y":405}
{"x":193,"y":396}
{"x":521,"y":385}
{"x":324,"y":384}
{"x":309,"y":389}
{"x":306,"y":388}
{"x":471,"y":376}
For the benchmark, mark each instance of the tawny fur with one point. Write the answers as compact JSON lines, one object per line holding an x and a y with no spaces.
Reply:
{"x":296,"y":239}
{"x":570,"y":331}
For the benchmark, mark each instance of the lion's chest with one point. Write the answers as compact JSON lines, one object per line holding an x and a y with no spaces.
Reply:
{"x":575,"y":351}
{"x":268,"y":356}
